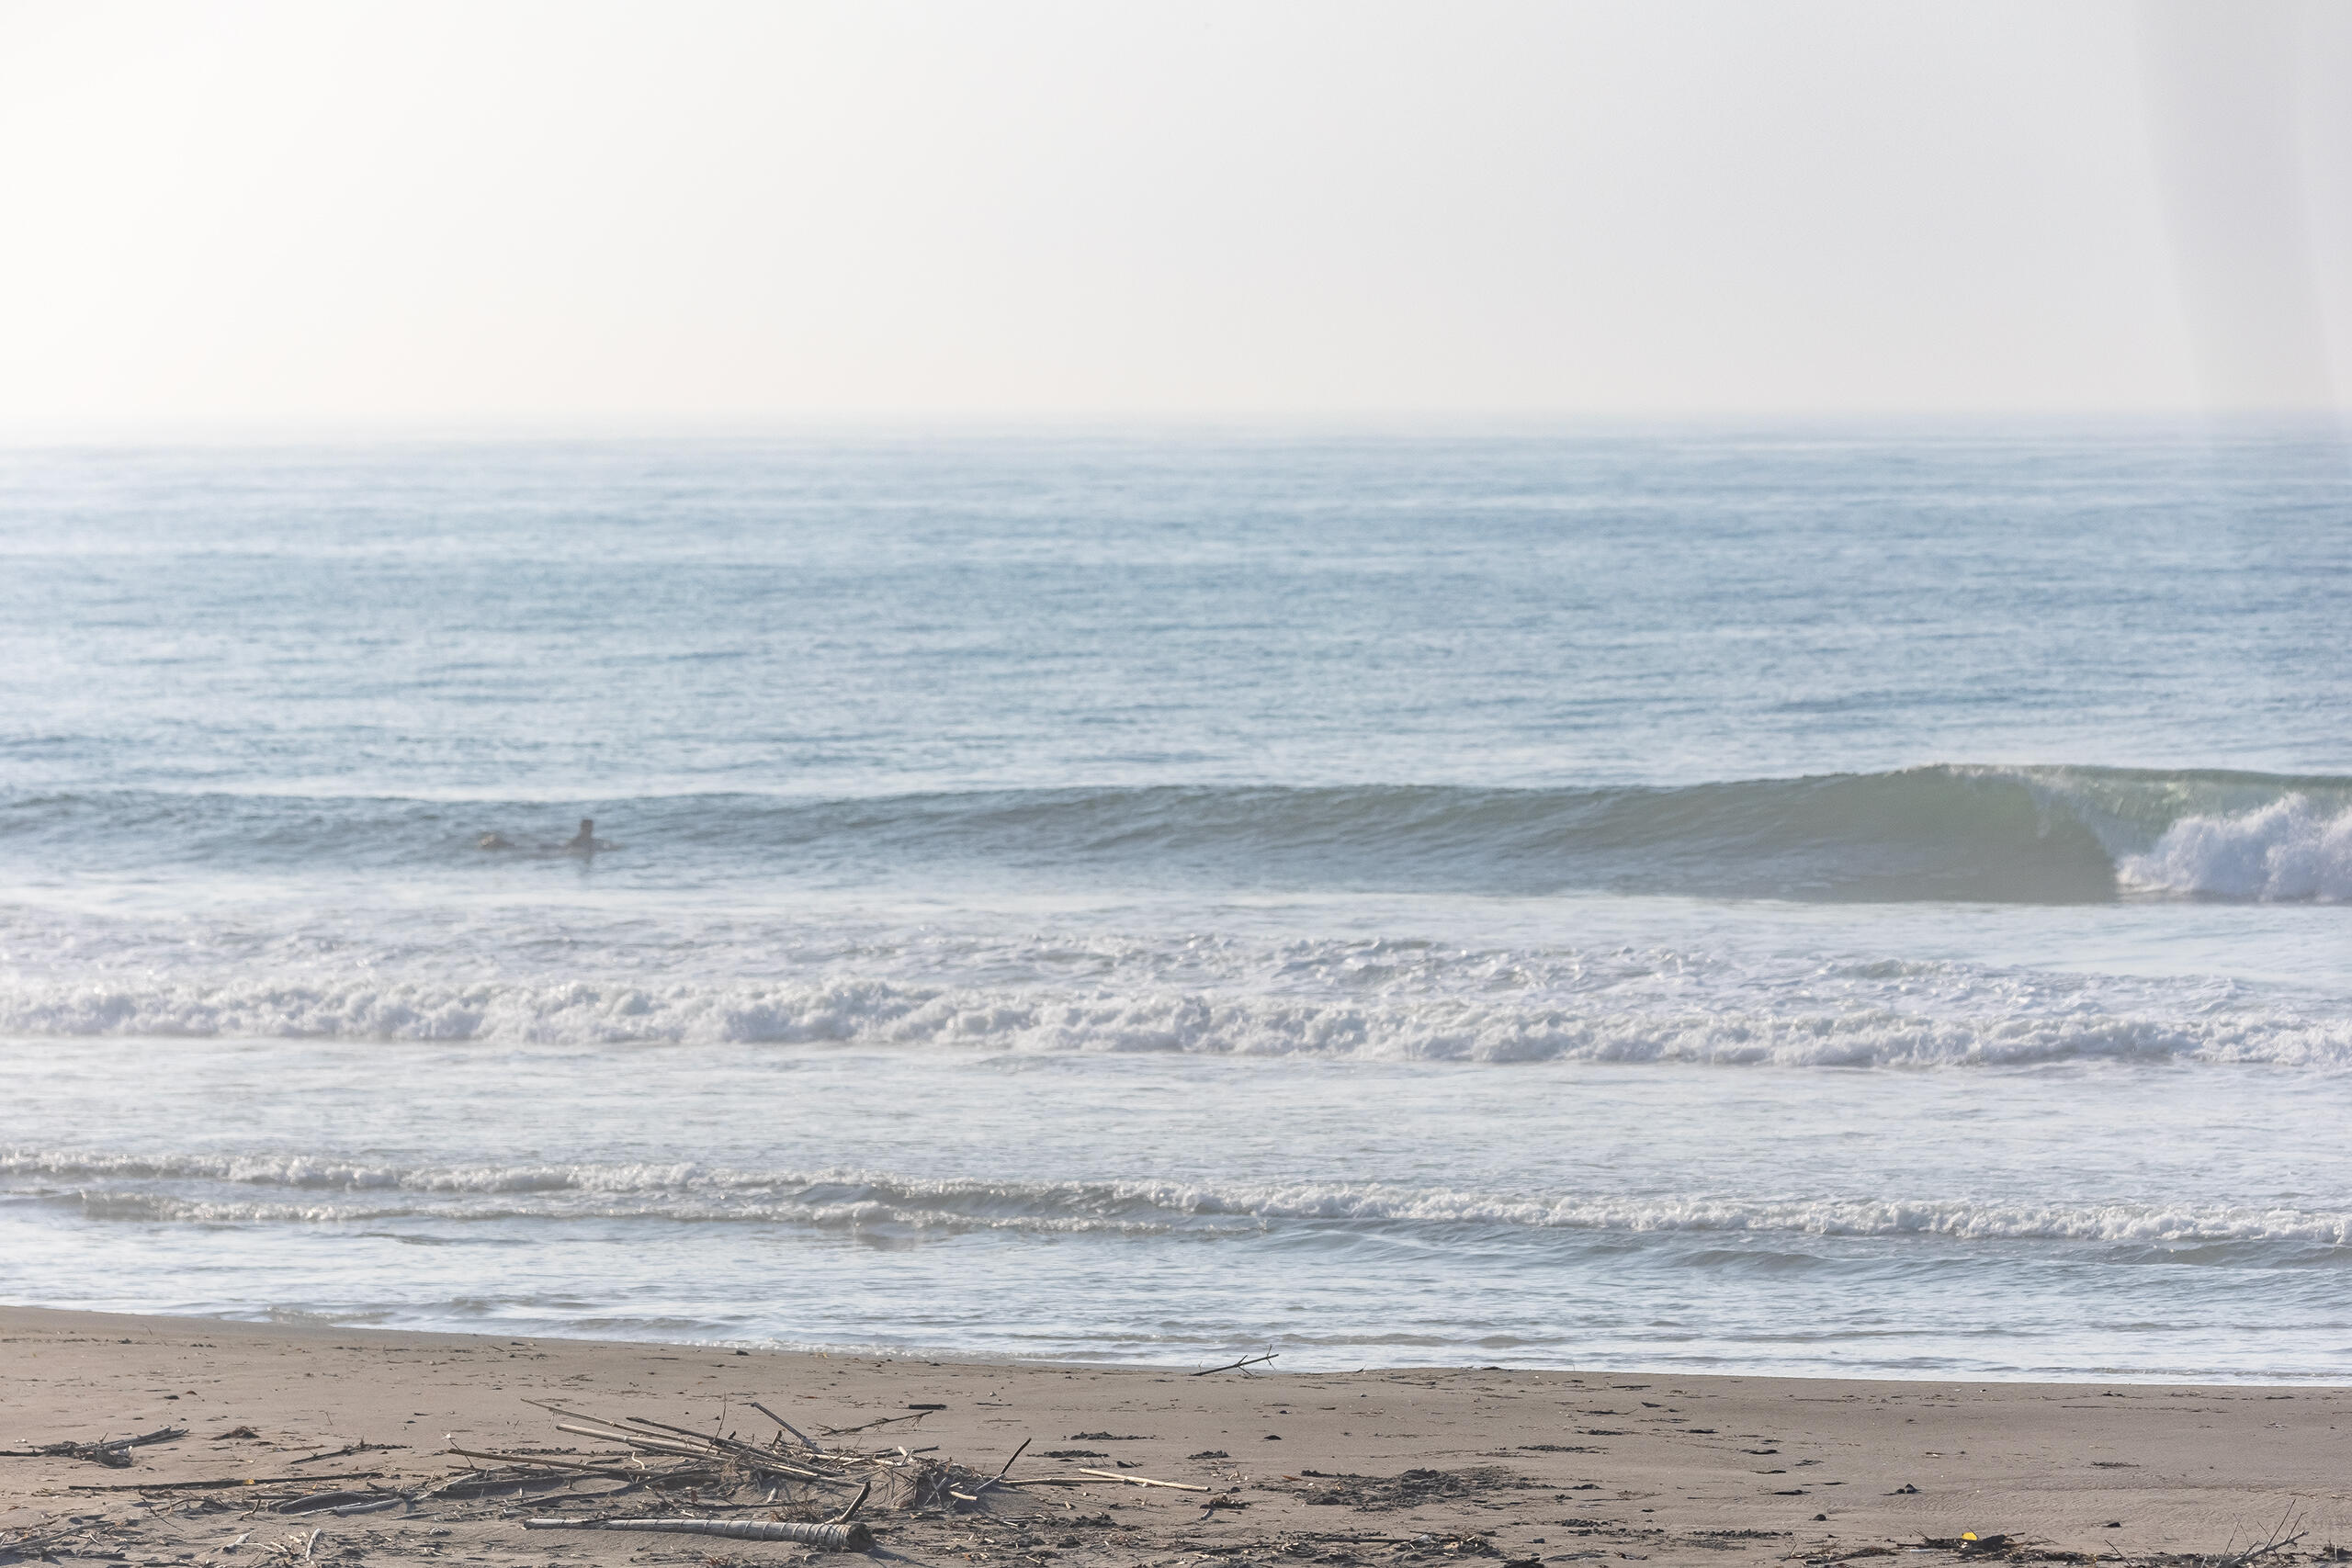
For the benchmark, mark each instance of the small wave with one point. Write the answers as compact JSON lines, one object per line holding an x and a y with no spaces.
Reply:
{"x":167,"y":1209}
{"x":849,"y":1199}
{"x":2292,"y":848}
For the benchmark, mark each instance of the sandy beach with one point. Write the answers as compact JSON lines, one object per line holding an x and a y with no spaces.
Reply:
{"x":1376,"y":1466}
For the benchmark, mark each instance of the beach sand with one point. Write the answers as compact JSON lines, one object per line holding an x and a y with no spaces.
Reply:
{"x":1545,"y":1466}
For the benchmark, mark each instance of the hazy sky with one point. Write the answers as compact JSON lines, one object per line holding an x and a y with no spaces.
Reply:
{"x":345,"y":213}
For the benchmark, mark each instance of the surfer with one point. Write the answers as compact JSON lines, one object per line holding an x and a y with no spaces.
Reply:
{"x":584,"y":842}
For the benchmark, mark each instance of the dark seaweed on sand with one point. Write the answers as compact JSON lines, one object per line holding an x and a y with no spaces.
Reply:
{"x":1409,"y":1490}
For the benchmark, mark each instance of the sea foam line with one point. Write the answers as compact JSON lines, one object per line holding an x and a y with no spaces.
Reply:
{"x":1146,"y":1020}
{"x":111,"y":1186}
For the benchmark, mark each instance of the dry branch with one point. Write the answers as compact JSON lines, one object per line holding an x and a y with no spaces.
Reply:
{"x":615,"y":1468}
{"x":358,"y":1448}
{"x":114,"y":1453}
{"x":1139,"y":1479}
{"x":807,"y":1441}
{"x":234,"y":1480}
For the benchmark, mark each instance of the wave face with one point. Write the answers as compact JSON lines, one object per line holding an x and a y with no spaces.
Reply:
{"x":1953,"y":833}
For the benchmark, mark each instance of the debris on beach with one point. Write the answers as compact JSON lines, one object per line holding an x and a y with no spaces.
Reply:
{"x":113,"y":1453}
{"x":77,"y":1536}
{"x":820,"y":1488}
{"x":613,"y":1488}
{"x":1410,"y":1489}
{"x":830,"y":1535}
{"x":2003,"y":1548}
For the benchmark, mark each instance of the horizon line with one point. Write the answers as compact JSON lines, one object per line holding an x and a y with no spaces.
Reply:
{"x":970,"y":423}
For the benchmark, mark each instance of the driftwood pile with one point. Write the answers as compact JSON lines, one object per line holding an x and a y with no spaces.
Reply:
{"x":799,"y":1474}
{"x":631,"y":1473}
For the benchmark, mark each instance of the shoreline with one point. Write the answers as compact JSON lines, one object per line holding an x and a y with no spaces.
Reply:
{"x":297,"y":1321}
{"x":1517,"y":1465}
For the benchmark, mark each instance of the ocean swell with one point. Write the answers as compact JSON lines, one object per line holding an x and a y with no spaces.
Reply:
{"x":1945,"y":832}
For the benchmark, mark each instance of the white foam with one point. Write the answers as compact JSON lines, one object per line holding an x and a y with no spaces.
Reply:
{"x":2292,"y":848}
{"x":1811,"y":1032}
{"x":341,"y":1192}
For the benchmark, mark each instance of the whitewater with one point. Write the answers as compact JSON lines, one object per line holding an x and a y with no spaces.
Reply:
{"x":1870,"y":900}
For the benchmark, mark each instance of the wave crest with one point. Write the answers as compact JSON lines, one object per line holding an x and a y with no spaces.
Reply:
{"x":2292,"y":848}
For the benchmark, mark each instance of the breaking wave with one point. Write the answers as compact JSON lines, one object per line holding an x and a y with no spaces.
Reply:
{"x":2293,"y":848}
{"x":875,"y":1014}
{"x":1996,"y":834}
{"x":303,"y":1189}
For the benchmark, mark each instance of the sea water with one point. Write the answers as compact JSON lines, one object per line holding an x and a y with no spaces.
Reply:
{"x":1858,"y":900}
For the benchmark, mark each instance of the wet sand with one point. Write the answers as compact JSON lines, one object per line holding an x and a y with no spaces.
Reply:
{"x":1544,"y":1467}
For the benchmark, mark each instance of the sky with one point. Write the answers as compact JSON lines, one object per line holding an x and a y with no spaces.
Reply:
{"x":706,"y":212}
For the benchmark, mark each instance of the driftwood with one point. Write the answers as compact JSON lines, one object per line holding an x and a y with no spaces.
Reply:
{"x":618,"y":1468}
{"x":2280,"y":1541}
{"x":2266,"y":1549}
{"x":483,"y":1483}
{"x":693,"y":1446}
{"x":114,"y":1453}
{"x":778,"y":1466}
{"x":1241,"y":1366}
{"x":745,"y":1453}
{"x":847,"y":1537}
{"x":338,"y":1502}
{"x":1139,"y":1479}
{"x":1099,"y":1477}
{"x":397,"y":1500}
{"x":805,"y":1440}
{"x":786,"y":1466}
{"x":868,"y":1427}
{"x":346,"y":1452}
{"x":810,"y":1463}
{"x":225,"y":1484}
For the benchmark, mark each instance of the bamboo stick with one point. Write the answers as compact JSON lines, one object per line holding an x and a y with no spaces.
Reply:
{"x":852,"y":1536}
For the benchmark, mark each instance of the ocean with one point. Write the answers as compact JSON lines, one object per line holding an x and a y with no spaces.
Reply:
{"x":1822,"y":899}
